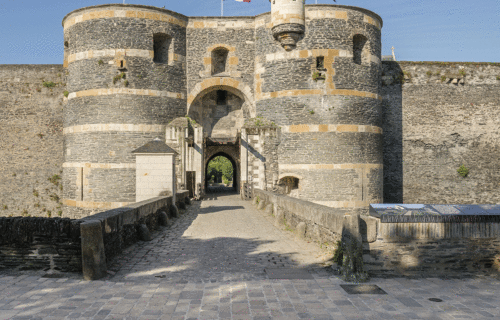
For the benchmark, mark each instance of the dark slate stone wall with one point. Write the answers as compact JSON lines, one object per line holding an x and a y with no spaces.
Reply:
{"x":331,"y":147}
{"x":40,"y":243}
{"x":199,"y":40}
{"x":432,"y":126}
{"x":118,"y":185}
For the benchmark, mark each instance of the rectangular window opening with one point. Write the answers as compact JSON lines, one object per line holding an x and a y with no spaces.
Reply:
{"x":221,"y":97}
{"x":320,"y":62}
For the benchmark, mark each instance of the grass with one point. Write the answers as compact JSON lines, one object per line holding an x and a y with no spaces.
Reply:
{"x":66,"y":93}
{"x":55,"y":179}
{"x":49,"y":84}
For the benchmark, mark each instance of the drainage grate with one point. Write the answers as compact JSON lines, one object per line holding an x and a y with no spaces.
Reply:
{"x":362,"y":289}
{"x":288,"y":273}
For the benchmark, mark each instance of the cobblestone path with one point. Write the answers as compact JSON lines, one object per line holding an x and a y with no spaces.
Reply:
{"x":209,"y":265}
{"x":219,"y":238}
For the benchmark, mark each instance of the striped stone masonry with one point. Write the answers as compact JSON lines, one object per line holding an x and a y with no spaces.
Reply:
{"x":117,"y":127}
{"x":90,"y":54}
{"x":141,"y":92}
{"x":331,"y":128}
{"x":120,"y":13}
{"x":94,"y":205}
{"x":99,"y":165}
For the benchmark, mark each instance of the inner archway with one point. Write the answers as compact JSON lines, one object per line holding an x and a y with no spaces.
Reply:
{"x":221,"y":173}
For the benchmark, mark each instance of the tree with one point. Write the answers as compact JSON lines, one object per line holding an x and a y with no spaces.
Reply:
{"x":221,"y":168}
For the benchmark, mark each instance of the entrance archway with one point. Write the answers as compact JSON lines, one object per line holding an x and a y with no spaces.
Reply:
{"x":234,"y":163}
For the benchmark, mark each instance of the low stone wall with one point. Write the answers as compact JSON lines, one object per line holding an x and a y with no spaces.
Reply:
{"x":40,"y":243}
{"x":457,"y":249}
{"x":308,"y":220}
{"x":76,"y":245}
{"x":106,"y":234}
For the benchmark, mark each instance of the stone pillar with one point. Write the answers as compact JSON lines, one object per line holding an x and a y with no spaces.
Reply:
{"x":198,"y":156}
{"x":93,"y":254}
{"x":243,"y":160}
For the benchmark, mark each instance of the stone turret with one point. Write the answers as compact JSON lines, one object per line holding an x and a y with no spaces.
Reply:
{"x":288,"y":21}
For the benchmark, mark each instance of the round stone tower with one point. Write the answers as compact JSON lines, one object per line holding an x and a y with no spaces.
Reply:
{"x":324,"y":94}
{"x":288,"y":21}
{"x":126,"y":81}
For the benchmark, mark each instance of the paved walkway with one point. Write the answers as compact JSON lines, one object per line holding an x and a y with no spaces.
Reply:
{"x":210,"y":265}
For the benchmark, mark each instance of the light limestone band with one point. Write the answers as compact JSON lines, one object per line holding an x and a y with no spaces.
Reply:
{"x":94,"y":205}
{"x":306,"y":92}
{"x":99,"y":165}
{"x":120,"y":53}
{"x":120,"y":127}
{"x":141,"y":92}
{"x":330,"y":128}
{"x":117,"y":13}
{"x":332,"y":166}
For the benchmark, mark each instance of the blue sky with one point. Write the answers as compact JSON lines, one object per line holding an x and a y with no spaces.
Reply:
{"x":419,"y":30}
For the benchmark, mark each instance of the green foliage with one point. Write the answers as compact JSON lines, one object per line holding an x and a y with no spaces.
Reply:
{"x":443,"y":78}
{"x":35,"y":193}
{"x":100,"y":62}
{"x":257,"y":199}
{"x":5,"y":207}
{"x":49,"y":213}
{"x":59,"y":213}
{"x":429,"y":73}
{"x":14,"y":174}
{"x":118,"y":77}
{"x":221,"y":168}
{"x":54,"y":197}
{"x":498,"y":77}
{"x":49,"y":84}
{"x":55,"y":179}
{"x":126,"y":83}
{"x":462,"y":72}
{"x":339,"y":253}
{"x":438,"y":73}
{"x":311,"y":111}
{"x":66,"y":93}
{"x":37,"y":205}
{"x":24,"y":213}
{"x":463,"y":171}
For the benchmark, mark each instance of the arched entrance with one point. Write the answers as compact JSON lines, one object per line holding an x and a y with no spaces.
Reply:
{"x":221,"y":110}
{"x":234,"y":163}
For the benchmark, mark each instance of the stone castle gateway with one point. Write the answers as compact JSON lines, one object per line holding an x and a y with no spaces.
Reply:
{"x":294,"y":93}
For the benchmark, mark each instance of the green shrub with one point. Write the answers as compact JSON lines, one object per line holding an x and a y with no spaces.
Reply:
{"x":49,"y":84}
{"x":55,"y":179}
{"x":66,"y":93}
{"x":339,"y":253}
{"x":317,"y":76}
{"x":311,"y":111}
{"x":463,"y":171}
{"x":462,"y":72}
{"x":498,"y":77}
{"x":429,"y":73}
{"x":100,"y":62}
{"x":126,"y":83}
{"x":443,"y":78}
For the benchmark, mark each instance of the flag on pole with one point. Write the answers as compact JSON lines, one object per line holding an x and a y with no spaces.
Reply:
{"x":243,"y":0}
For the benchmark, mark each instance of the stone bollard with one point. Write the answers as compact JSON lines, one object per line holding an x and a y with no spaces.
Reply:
{"x":261,"y":205}
{"x":301,"y":229}
{"x":163,"y":218}
{"x":269,"y":209}
{"x":182,"y":205}
{"x":352,"y":267}
{"x":93,"y":254}
{"x":143,"y":233}
{"x":254,"y":201}
{"x":174,"y":212}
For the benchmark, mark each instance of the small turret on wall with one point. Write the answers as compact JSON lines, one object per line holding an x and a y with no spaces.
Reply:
{"x":288,"y":21}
